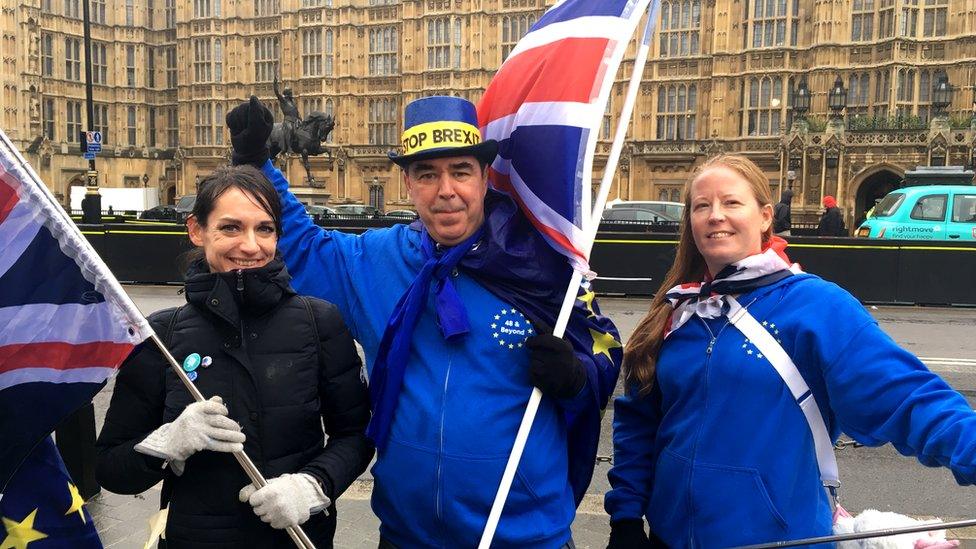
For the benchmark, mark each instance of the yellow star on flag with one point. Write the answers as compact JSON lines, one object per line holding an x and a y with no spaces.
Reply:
{"x":602,"y":343}
{"x":20,"y":534}
{"x":76,"y":503}
{"x":588,"y":299}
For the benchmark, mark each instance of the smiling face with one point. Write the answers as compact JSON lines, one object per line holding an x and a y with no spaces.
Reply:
{"x":239,"y":234}
{"x":727,"y":220}
{"x":449,"y":194}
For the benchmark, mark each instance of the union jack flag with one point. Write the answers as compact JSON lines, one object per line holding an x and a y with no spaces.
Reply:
{"x":65,"y":323}
{"x":545,"y":106}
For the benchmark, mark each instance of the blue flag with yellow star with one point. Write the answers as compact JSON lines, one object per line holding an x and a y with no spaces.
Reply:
{"x":41,"y":507}
{"x":515,"y":263}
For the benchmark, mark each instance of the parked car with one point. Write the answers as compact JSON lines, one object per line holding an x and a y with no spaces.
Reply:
{"x":639,"y":215}
{"x":184,"y":206}
{"x":673,"y":210}
{"x":930,"y":212}
{"x":409,"y":215}
{"x":163,"y":212}
{"x":317,"y":210}
{"x":357,"y":209}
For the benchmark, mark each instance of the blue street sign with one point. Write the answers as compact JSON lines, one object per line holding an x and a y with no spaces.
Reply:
{"x":89,"y":156}
{"x":93,"y":141}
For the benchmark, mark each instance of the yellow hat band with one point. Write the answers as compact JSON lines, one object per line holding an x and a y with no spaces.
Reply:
{"x":439,"y":135}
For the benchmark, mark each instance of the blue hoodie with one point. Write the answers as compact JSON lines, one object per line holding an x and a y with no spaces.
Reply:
{"x":719,"y":453}
{"x":461,"y":402}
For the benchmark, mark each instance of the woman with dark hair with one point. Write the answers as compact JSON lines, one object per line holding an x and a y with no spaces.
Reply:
{"x":742,"y":375}
{"x":275,"y":366}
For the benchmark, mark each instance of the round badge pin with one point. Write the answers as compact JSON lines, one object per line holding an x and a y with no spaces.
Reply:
{"x":206,"y":362}
{"x":192,"y":376}
{"x":191,"y":362}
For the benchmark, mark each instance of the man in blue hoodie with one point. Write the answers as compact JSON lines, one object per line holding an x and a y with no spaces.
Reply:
{"x":453,"y":312}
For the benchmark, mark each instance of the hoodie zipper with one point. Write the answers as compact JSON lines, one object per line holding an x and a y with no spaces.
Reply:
{"x":694,"y":452}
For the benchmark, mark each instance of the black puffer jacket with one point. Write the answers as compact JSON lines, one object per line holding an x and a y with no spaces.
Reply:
{"x":281,"y":375}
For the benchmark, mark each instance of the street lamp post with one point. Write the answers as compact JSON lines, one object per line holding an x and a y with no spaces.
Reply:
{"x":837,"y":99}
{"x":91,"y":205}
{"x":800,"y":105}
{"x":801,"y":100}
{"x":941,"y":95}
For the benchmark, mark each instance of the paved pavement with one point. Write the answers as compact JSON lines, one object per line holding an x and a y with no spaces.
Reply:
{"x":878,"y":476}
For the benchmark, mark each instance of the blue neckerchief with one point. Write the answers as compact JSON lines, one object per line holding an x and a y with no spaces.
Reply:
{"x":394,"y":350}
{"x":516,"y":264}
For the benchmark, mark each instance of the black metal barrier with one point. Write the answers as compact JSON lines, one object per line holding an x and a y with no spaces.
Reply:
{"x":141,"y":252}
{"x":629,"y":260}
{"x":875,"y":271}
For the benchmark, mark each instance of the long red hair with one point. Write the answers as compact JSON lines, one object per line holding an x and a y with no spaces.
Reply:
{"x":644,"y":346}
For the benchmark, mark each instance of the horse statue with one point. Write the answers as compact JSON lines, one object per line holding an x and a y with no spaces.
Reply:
{"x":306,"y":138}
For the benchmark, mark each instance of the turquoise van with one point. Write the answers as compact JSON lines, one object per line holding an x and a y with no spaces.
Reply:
{"x":930,"y":212}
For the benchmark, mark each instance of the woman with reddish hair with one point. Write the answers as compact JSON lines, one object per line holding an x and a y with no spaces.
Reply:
{"x":741,"y":376}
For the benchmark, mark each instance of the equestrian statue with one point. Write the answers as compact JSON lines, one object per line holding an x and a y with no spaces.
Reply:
{"x":295,"y":135}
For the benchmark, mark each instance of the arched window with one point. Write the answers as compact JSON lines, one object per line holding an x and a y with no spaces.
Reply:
{"x":764,"y":109}
{"x":858,"y":88}
{"x":905,"y":95}
{"x":218,"y":60}
{"x":925,"y":80}
{"x":676,"y":111}
{"x":330,"y":110}
{"x":862,"y":20}
{"x":768,"y":22}
{"x":882,"y":92}
{"x":680,"y":27}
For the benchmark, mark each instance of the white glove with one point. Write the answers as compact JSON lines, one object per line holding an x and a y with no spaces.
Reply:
{"x":287,"y":500}
{"x":201,"y":426}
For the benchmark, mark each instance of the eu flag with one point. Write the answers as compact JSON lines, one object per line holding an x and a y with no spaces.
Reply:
{"x":41,"y":508}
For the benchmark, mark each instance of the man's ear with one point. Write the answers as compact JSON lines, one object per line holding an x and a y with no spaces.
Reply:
{"x":406,"y":180}
{"x":195,"y":230}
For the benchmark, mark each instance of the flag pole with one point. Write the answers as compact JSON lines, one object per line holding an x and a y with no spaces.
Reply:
{"x":864,"y":535}
{"x":295,"y":532}
{"x":571,"y":292}
{"x":121,"y":298}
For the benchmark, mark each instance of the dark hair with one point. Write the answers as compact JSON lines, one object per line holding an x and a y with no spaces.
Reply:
{"x":244,"y":177}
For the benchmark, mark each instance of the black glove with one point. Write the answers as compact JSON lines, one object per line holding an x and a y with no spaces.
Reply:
{"x":250,"y":125}
{"x":553,"y":367}
{"x":629,"y":534}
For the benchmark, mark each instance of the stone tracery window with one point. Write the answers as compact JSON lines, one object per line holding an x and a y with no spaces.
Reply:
{"x":266,"y":55}
{"x":312,"y":52}
{"x":768,"y":23}
{"x":383,"y":122}
{"x":444,"y":43}
{"x":384,"y":56}
{"x":764,"y":106}
{"x":862,"y":20}
{"x":858,"y":93}
{"x":680,"y":27}
{"x":514,"y":27}
{"x":677,"y":106}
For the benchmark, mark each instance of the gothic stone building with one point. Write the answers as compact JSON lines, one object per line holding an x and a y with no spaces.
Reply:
{"x":719,"y":80}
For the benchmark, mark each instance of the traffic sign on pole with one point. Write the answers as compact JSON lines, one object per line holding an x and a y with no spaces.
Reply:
{"x":93,"y":141}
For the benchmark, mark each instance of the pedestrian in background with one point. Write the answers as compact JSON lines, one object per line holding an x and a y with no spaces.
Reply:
{"x":783,"y":215}
{"x":712,"y":444}
{"x":832,"y":220}
{"x":275,"y":366}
